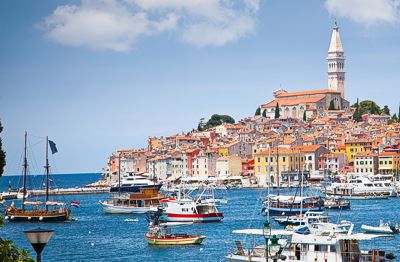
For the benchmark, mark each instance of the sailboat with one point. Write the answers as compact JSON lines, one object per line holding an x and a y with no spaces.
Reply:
{"x":39,"y":211}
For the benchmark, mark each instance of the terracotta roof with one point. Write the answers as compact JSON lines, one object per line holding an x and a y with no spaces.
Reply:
{"x":308,"y":92}
{"x":292,"y":102}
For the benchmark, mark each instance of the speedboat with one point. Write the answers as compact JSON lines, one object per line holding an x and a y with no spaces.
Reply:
{"x":384,"y":228}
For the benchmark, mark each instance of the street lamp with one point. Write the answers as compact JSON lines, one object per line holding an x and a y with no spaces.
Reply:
{"x":38,"y":238}
{"x":267,"y":235}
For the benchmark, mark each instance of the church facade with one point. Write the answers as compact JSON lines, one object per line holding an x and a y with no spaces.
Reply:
{"x":312,"y":102}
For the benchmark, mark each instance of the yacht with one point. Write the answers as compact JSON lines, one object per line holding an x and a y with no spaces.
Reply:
{"x":385,"y":181}
{"x":359,"y":188}
{"x":309,"y":217}
{"x":327,"y":246}
{"x":284,"y":205}
{"x":131,"y":183}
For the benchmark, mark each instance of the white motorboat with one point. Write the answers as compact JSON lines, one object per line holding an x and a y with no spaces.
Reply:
{"x":110,"y":208}
{"x":131,"y":220}
{"x":309,"y":217}
{"x":358,"y":189}
{"x":383,"y":228}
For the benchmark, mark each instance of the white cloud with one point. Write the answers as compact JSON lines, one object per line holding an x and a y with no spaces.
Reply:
{"x":118,"y":24}
{"x":366,"y":11}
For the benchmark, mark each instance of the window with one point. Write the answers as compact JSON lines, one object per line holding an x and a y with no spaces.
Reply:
{"x":259,"y":169}
{"x":309,"y":157}
{"x":258,"y":160}
{"x":266,"y":159}
{"x":284,"y":159}
{"x":332,"y":248}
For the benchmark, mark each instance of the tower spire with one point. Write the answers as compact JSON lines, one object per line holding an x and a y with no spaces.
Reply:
{"x":336,"y":59}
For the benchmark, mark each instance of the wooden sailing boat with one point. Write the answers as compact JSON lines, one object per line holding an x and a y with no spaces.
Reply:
{"x":40,"y":211}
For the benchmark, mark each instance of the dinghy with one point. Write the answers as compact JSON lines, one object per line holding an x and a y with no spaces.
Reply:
{"x":384,"y":228}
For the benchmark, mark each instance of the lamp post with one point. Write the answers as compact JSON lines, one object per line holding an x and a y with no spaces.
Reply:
{"x":38,"y":238}
{"x":274,"y":248}
{"x":267,"y":235}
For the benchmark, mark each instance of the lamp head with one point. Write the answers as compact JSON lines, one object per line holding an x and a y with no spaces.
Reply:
{"x":38,"y":238}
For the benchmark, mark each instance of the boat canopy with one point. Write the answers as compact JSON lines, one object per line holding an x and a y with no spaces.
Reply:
{"x":362,"y":236}
{"x":260,"y":232}
{"x":294,"y":199}
{"x":54,"y":203}
{"x":33,"y":203}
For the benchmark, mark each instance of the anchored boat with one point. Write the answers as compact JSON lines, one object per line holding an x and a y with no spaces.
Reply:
{"x":383,"y":228}
{"x":41,"y":211}
{"x":136,"y":203}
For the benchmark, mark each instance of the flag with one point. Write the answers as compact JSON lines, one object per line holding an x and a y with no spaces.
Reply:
{"x":53,"y":147}
{"x":75,"y":203}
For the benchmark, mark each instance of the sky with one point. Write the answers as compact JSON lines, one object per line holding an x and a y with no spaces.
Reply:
{"x":96,"y":76}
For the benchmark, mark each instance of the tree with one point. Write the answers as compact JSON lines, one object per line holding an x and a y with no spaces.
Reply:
{"x":277,"y":113}
{"x":258,"y":111}
{"x":331,"y":105}
{"x":386,"y":110}
{"x":8,"y":252}
{"x":200,"y":126}
{"x":357,"y":115}
{"x":304,"y":116}
{"x":217,"y":120}
{"x":398,"y":119}
{"x":2,"y":154}
{"x":264,"y":114}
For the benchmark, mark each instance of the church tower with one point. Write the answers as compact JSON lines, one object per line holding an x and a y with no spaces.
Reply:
{"x":336,"y":78}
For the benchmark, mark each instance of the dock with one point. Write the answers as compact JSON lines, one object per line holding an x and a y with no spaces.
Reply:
{"x":70,"y":191}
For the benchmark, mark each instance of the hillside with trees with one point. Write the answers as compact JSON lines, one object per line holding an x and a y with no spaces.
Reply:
{"x":215,"y":120}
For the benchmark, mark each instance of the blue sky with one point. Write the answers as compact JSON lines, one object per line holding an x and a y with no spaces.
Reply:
{"x":99,"y":75}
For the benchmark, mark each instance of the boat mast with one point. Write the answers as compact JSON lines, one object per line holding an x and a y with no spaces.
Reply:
{"x":277,"y":167}
{"x":47,"y":171}
{"x":268,"y":181}
{"x":119,"y":173}
{"x":25,"y":171}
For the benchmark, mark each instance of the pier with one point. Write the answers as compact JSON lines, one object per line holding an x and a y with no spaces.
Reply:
{"x":70,"y":191}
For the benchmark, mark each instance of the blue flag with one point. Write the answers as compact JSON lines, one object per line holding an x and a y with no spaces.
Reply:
{"x":53,"y":147}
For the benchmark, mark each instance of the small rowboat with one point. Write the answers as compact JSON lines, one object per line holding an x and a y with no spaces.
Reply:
{"x":175,"y":239}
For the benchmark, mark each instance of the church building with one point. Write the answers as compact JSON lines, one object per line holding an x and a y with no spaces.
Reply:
{"x":294,"y":104}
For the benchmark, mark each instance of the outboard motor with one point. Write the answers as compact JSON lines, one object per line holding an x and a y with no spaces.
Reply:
{"x":391,"y":256}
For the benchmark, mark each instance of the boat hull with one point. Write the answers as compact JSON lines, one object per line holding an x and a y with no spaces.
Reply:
{"x":111,"y":209}
{"x":196,"y":218}
{"x":370,"y":229}
{"x":38,"y":216}
{"x":361,"y":196}
{"x":179,"y":240}
{"x":134,"y":189}
{"x":292,"y":212}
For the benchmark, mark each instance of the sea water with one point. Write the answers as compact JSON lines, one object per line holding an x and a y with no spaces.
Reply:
{"x":99,"y":237}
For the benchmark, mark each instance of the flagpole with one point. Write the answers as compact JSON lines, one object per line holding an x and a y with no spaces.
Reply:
{"x":47,"y":171}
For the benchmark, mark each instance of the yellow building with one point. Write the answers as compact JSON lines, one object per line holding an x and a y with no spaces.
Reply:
{"x":389,"y":163}
{"x":289,"y":160}
{"x":357,"y":146}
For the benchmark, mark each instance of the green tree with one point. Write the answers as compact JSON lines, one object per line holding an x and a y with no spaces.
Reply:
{"x":304,"y":116}
{"x":2,"y":153}
{"x":217,"y":120}
{"x":357,"y":114}
{"x":277,"y":113}
{"x":258,"y":111}
{"x":264,"y":113}
{"x":398,"y":118}
{"x":8,"y":252}
{"x":331,"y":106}
{"x":200,"y":126}
{"x":386,"y":110}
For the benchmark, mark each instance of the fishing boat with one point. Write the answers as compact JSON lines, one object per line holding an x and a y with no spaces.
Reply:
{"x":383,"y":228}
{"x":42,"y":211}
{"x":188,"y":209}
{"x":136,"y":203}
{"x":161,"y":234}
{"x":336,"y":203}
{"x":164,"y":236}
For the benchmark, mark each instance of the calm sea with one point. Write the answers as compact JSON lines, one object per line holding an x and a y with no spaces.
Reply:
{"x":99,"y":237}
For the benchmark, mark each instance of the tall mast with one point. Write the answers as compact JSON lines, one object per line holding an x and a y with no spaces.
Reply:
{"x":119,"y":173}
{"x":277,"y":167}
{"x":25,"y":171}
{"x":47,"y":171}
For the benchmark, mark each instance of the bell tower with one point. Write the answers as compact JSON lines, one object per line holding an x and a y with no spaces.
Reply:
{"x":336,"y":59}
